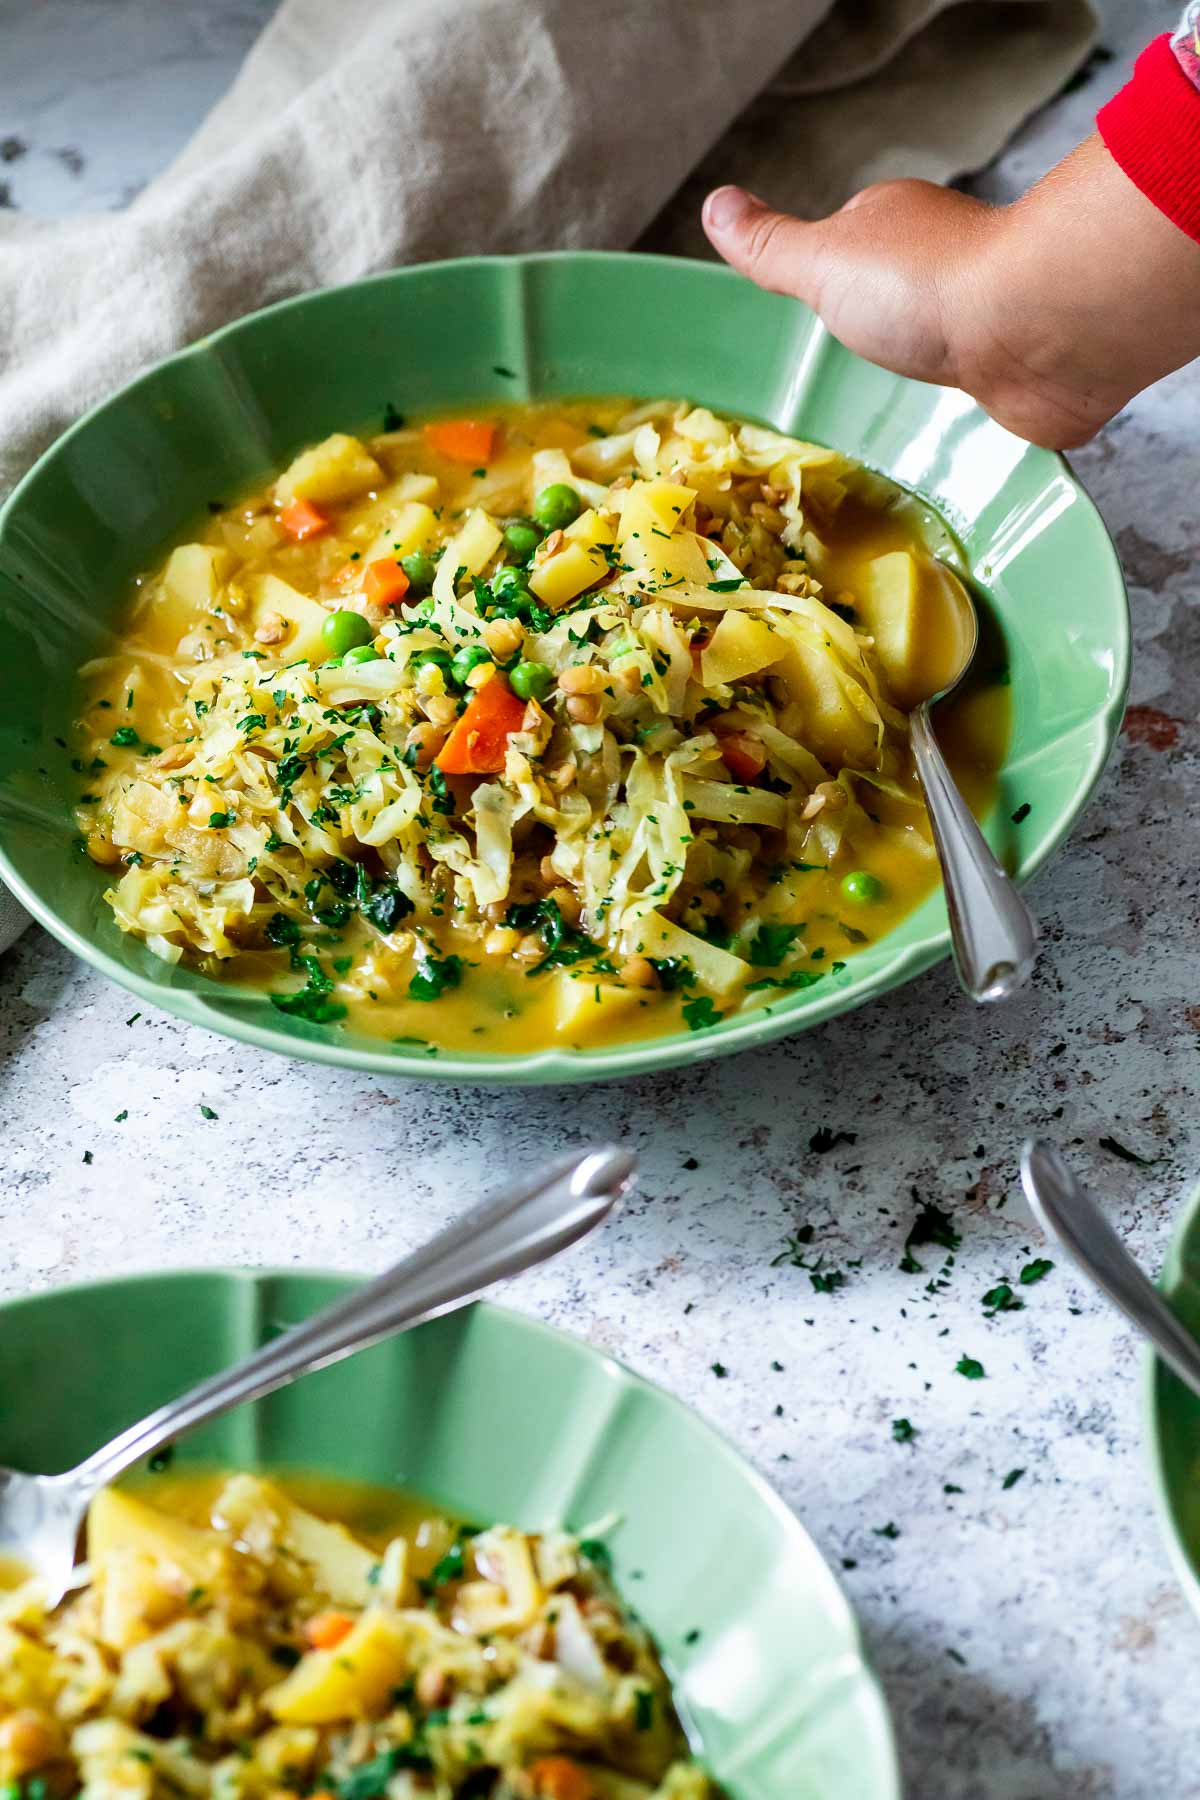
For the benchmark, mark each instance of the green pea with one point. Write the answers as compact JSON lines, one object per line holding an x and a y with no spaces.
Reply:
{"x":862,"y":887}
{"x":344,"y":631}
{"x":420,"y":569}
{"x":531,"y":680}
{"x":440,"y":659}
{"x":522,"y":537}
{"x":466,"y":659}
{"x":362,"y":653}
{"x":557,"y":506}
{"x":509,"y":583}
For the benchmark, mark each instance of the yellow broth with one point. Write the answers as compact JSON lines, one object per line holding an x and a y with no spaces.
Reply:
{"x":499,"y":1005}
{"x":374,"y":1515}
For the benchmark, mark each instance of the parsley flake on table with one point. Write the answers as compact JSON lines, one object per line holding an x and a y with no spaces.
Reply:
{"x":970,"y":1367}
{"x":1130,"y":1156}
{"x":1001,"y":1299}
{"x":932,"y":1225}
{"x":1035,"y":1270}
{"x":886,"y":1531}
{"x":904,"y":1431}
{"x":1012,"y":1478}
{"x":824,"y":1139}
{"x":206,"y":1112}
{"x":719,"y":1370}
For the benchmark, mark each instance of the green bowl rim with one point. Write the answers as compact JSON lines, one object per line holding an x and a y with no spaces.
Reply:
{"x":1154,"y":1376}
{"x":615,"y":1369}
{"x":555,"y":1065}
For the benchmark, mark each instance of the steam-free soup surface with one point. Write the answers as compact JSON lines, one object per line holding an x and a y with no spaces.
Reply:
{"x":561,"y":725}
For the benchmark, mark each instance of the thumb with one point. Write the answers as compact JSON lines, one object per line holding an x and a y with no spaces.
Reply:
{"x":778,"y":252}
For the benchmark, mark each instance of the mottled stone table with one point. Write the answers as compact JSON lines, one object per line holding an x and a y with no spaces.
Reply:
{"x":1031,"y":1637}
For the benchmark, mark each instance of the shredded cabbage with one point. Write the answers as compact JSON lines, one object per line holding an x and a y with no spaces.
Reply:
{"x":633,"y":800}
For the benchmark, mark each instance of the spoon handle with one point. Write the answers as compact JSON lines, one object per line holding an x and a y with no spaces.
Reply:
{"x":991,"y":928}
{"x":1066,"y":1211}
{"x":519,"y":1225}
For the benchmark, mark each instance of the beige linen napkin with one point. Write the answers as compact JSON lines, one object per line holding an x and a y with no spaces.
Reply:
{"x":364,"y":133}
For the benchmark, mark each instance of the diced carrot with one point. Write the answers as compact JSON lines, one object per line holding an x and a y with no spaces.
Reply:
{"x":479,"y":742}
{"x":385,"y":582}
{"x":303,"y":520}
{"x":325,"y":1630}
{"x":558,"y":1778}
{"x":349,"y":571}
{"x":462,"y":440}
{"x":743,"y":755}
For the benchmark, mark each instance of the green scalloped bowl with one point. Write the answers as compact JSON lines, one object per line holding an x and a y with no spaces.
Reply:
{"x":103,"y":501}
{"x":1173,"y":1412}
{"x":496,"y":1417}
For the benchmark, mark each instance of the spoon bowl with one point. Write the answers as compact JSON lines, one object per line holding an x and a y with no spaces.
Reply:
{"x":526,"y":1222}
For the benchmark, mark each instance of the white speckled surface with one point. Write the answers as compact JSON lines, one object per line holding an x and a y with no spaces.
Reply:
{"x":1032,"y":1640}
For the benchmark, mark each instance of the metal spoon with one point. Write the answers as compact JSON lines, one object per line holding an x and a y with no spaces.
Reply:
{"x":514,"y":1228}
{"x":991,"y":928}
{"x":1065,"y":1210}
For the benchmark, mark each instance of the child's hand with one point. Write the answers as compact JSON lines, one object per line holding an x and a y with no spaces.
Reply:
{"x":1052,"y":312}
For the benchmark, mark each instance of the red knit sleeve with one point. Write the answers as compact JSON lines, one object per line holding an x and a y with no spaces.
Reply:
{"x":1152,"y":129}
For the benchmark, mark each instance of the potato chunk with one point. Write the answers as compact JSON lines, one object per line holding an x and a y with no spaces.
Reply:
{"x":578,"y":562}
{"x":336,"y":469}
{"x":302,"y":619}
{"x":350,"y":1682}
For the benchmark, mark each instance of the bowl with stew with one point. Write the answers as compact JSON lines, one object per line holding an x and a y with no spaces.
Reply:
{"x":474,"y":1551}
{"x":524,"y":699}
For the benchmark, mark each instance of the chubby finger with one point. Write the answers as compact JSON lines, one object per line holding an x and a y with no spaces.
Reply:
{"x":775,"y":250}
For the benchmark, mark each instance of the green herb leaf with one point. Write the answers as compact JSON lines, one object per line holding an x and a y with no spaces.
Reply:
{"x":904,"y":1431}
{"x":700,"y":1013}
{"x":970,"y":1367}
{"x":435,"y":976}
{"x":1035,"y":1271}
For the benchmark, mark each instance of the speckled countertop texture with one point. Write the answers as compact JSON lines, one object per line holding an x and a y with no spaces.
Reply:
{"x":1031,"y":1637}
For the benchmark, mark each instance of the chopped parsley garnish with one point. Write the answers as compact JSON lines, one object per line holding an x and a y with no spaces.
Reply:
{"x":1130,"y":1156}
{"x":124,"y":737}
{"x":281,"y":930}
{"x":435,"y":976}
{"x":931,"y":1226}
{"x":1001,"y":1299}
{"x":1011,"y":1479}
{"x":903,"y":1430}
{"x":824,"y":1139}
{"x":673,"y":972}
{"x":726,"y":587}
{"x":700,"y":1013}
{"x":970,"y":1368}
{"x":450,"y":1567}
{"x":1035,"y":1271}
{"x":1023,"y":811}
{"x":719,"y":1370}
{"x":218,"y":820}
{"x":311,"y":1002}
{"x":562,"y":943}
{"x":771,"y":943}
{"x":387,"y":906}
{"x":206,"y":1112}
{"x":886,"y":1531}
{"x":597,"y":1552}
